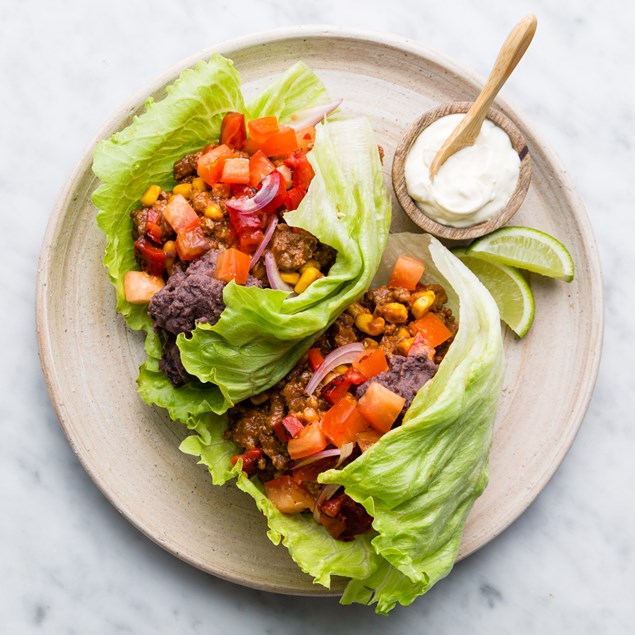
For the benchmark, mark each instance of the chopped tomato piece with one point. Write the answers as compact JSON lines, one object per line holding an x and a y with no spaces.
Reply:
{"x":139,"y":286}
{"x":294,"y":197}
{"x":315,"y":358}
{"x":192,"y":243}
{"x":245,"y":223}
{"x":366,"y":438}
{"x":153,"y":258}
{"x":261,"y":129}
{"x":259,"y":167}
{"x":309,"y":473}
{"x":343,"y":421}
{"x":419,"y":346}
{"x":210,"y":165}
{"x":288,"y":496}
{"x":287,"y":176}
{"x":238,"y":189}
{"x":232,"y":264}
{"x":251,"y":146}
{"x":249,"y":459}
{"x":432,"y":329}
{"x":180,"y":214}
{"x":309,"y":441}
{"x":235,"y":170}
{"x":249,"y":241}
{"x":153,"y":229}
{"x":306,"y":138}
{"x":336,"y":389}
{"x":380,"y":406}
{"x":281,"y":142}
{"x":232,"y":130}
{"x":406,"y":273}
{"x":303,"y":172}
{"x":292,"y":425}
{"x":372,"y":362}
{"x":355,"y":377}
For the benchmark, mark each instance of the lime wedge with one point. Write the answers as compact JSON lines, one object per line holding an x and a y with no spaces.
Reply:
{"x":508,"y":287}
{"x":525,"y":248}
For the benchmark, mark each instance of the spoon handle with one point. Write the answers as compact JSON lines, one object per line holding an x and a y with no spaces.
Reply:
{"x":510,"y":54}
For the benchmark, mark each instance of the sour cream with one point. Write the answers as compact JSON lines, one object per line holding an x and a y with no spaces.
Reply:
{"x":473,"y":185}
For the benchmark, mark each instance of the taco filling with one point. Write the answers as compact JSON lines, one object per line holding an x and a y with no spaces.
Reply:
{"x":351,"y":388}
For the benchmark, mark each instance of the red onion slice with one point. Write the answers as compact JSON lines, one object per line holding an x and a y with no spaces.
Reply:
{"x":326,"y":493}
{"x":345,"y":451}
{"x":267,"y":192}
{"x":273,"y":274}
{"x":346,"y":354}
{"x":324,"y":454}
{"x":273,"y":223}
{"x":311,"y":116}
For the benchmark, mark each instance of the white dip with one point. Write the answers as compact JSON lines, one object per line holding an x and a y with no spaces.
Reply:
{"x":473,"y":185}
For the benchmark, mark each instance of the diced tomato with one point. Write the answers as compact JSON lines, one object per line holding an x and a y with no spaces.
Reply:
{"x":192,"y":243}
{"x":235,"y":170}
{"x":279,"y":198}
{"x":306,"y":138}
{"x":432,"y":329}
{"x":355,"y":377}
{"x":249,"y":241}
{"x":242,"y":190}
{"x":180,"y":214}
{"x":406,"y":273}
{"x":310,"y":440}
{"x":343,"y":421}
{"x":232,"y":130}
{"x":419,"y":346}
{"x":286,"y":175}
{"x":249,"y":459}
{"x":309,"y":473}
{"x":315,"y":358}
{"x":366,"y":438}
{"x":281,"y":142}
{"x":372,"y":362}
{"x":251,"y":146}
{"x":210,"y":165}
{"x":259,"y":167}
{"x":380,"y":406}
{"x":303,"y":172}
{"x":222,"y":190}
{"x":232,"y":264}
{"x":153,"y":229}
{"x":261,"y":129}
{"x":294,"y":197}
{"x":288,"y":496}
{"x":335,"y":389}
{"x":292,"y":425}
{"x":245,"y":223}
{"x":139,"y":286}
{"x":152,"y":257}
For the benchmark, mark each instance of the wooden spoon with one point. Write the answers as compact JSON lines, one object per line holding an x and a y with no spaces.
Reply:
{"x":510,"y":54}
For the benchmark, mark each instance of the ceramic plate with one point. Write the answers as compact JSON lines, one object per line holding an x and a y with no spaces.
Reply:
{"x":90,"y":358}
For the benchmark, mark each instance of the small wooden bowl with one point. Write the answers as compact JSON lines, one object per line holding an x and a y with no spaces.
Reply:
{"x":474,"y":231}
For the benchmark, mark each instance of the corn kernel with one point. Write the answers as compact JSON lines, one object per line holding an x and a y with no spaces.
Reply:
{"x":369,"y":324}
{"x":394,"y":312}
{"x":309,"y":275}
{"x":151,"y":195}
{"x":422,"y":304}
{"x":169,"y":248}
{"x":310,"y":415}
{"x":184,"y":189}
{"x":290,"y":278}
{"x":341,"y":369}
{"x":370,"y":343}
{"x":404,"y":345}
{"x":403,"y":332}
{"x":310,"y":263}
{"x":214,"y":211}
{"x":198,"y":184}
{"x":356,"y":309}
{"x":260,"y":398}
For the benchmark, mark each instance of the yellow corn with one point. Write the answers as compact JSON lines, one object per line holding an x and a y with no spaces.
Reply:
{"x":310,"y":263}
{"x":310,"y":415}
{"x":214,"y":211}
{"x":422,"y":304}
{"x":395,"y":313}
{"x":341,"y":369}
{"x":184,"y":189}
{"x":170,"y":248}
{"x":309,"y":275}
{"x":370,"y":325}
{"x":370,"y":343}
{"x":290,"y":278}
{"x":198,"y":184}
{"x":259,"y":399}
{"x":403,"y":332}
{"x":151,"y":195}
{"x":404,"y":345}
{"x":356,"y":309}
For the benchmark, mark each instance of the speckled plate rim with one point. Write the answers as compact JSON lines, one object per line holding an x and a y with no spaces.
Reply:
{"x":135,"y":105}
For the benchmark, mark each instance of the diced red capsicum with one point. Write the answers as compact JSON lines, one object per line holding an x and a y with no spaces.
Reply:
{"x":249,"y":459}
{"x":303,"y":172}
{"x":152,"y":257}
{"x":315,"y":358}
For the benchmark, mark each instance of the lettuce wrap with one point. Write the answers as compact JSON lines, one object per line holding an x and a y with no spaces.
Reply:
{"x":261,"y":333}
{"x":420,"y":480}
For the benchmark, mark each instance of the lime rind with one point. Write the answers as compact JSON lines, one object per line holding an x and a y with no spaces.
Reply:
{"x":508,"y":287}
{"x":525,"y":248}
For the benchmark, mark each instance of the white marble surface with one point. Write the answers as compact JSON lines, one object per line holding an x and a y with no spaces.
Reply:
{"x":70,"y":564}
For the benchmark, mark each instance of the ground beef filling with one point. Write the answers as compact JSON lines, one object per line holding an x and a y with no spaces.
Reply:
{"x":255,"y":424}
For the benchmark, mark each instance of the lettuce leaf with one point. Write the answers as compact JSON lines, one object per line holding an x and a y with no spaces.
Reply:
{"x":236,"y":359}
{"x":421,"y":480}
